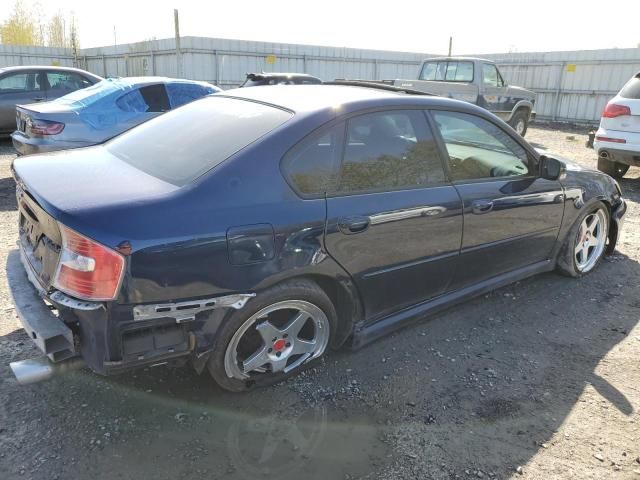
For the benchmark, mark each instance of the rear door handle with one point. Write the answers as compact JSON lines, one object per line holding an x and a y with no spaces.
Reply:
{"x":351,"y":225}
{"x":482,"y":206}
{"x":38,"y":99}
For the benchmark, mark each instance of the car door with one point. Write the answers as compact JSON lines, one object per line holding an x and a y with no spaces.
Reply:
{"x":17,"y":88}
{"x":493,"y":96}
{"x":512,"y":216}
{"x":393,"y":220}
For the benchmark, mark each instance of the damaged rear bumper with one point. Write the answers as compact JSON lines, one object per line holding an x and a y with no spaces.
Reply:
{"x":52,"y":336}
{"x":110,"y":338}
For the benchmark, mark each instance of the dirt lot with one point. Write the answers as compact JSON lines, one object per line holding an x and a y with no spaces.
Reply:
{"x":537,"y":380}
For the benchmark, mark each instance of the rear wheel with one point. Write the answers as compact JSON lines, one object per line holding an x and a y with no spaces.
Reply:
{"x":520,"y":122}
{"x":613,"y":169}
{"x":274,"y":337}
{"x":586,"y":242}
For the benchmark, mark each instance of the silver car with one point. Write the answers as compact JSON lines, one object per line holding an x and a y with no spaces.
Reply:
{"x":30,"y":84}
{"x":96,"y":114}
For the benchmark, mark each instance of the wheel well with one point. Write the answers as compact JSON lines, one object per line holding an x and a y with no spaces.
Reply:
{"x":522,"y":108}
{"x":347,"y":307}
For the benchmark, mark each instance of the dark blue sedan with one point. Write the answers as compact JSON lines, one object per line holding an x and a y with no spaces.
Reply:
{"x":250,"y":231}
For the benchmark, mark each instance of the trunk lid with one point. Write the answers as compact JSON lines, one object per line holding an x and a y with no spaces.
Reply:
{"x":74,"y":188}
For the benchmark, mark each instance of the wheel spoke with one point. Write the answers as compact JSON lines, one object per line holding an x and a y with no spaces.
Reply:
{"x":585,"y":253}
{"x":593,"y":242}
{"x":578,"y":248}
{"x":258,"y":359}
{"x":296,"y":324}
{"x":268,"y":332}
{"x":279,"y":365}
{"x":303,"y":346}
{"x":595,"y":221}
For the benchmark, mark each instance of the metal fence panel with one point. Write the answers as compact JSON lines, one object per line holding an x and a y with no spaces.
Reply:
{"x":573,"y":86}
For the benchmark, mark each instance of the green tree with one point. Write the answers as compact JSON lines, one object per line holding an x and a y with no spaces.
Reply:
{"x":21,"y":28}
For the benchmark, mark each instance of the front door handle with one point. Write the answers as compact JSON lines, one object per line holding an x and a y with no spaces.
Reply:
{"x":481,"y":206}
{"x":37,"y":99}
{"x":351,"y":225}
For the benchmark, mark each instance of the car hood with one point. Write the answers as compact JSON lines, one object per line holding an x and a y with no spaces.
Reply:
{"x":571,"y":165}
{"x":523,"y":92}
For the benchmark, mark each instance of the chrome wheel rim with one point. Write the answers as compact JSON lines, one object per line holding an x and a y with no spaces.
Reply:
{"x":591,"y":240}
{"x":277,"y":339}
{"x":520,"y":126}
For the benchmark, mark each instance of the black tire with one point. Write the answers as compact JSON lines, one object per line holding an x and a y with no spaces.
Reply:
{"x":613,"y":169}
{"x":302,"y":289}
{"x":566,"y":262}
{"x":521,"y":116}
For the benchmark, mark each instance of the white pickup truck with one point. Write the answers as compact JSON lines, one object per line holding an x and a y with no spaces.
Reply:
{"x":478,"y":81}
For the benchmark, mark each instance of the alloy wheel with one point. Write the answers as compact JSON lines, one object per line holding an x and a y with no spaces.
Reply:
{"x":277,"y":339}
{"x":591,"y":240}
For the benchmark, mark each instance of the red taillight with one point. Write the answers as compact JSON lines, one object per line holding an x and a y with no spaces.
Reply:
{"x":611,"y":139}
{"x":612,"y":110}
{"x":44,"y":127}
{"x":87,"y":269}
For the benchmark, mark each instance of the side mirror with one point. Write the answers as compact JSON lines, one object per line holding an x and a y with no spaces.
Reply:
{"x":552,"y":168}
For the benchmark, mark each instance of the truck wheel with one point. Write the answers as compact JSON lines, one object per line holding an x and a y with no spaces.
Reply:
{"x":273,"y":337}
{"x":613,"y":169}
{"x":520,"y":121}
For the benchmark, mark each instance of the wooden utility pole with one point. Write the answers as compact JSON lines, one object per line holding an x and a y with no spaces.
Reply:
{"x":176,"y":22}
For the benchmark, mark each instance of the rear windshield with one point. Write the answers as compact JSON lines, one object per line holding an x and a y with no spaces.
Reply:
{"x":181,"y":145}
{"x":631,"y":89}
{"x":87,"y":96}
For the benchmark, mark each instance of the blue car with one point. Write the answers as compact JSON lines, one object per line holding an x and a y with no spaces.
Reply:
{"x":249,"y":232}
{"x":97,"y":113}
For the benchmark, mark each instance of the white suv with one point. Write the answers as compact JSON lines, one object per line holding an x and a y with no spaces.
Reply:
{"x":618,"y":138}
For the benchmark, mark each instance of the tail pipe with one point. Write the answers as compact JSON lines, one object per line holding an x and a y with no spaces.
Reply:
{"x":604,"y":154}
{"x":36,"y":370}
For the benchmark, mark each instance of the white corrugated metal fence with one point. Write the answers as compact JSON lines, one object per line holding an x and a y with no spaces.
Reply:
{"x":572,"y":86}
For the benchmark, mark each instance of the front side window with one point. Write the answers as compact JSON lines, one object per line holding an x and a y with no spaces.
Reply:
{"x":181,"y":93}
{"x":390,"y":150}
{"x":66,"y":82}
{"x":18,"y":82}
{"x":479,"y":149}
{"x":311,"y":166}
{"x":490,"y":75}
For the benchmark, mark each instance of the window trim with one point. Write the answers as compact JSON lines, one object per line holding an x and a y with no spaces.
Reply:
{"x":532,"y":156}
{"x":473,"y":71}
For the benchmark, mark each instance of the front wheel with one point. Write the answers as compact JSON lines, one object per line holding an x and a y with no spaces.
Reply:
{"x":520,"y":122}
{"x":274,"y":337}
{"x":585,"y":243}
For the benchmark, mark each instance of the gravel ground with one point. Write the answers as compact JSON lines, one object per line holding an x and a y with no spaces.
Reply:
{"x":536,"y":380}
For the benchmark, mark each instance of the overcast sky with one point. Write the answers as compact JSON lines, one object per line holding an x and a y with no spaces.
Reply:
{"x":418,"y":26}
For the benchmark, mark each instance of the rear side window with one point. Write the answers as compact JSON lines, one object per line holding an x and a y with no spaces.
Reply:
{"x":632,"y":88}
{"x":311,"y":165}
{"x":152,"y":98}
{"x":447,"y":71}
{"x":18,"y":82}
{"x":181,"y":93}
{"x":391,"y":150}
{"x":181,"y":145}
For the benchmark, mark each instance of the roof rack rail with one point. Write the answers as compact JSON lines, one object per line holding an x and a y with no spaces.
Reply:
{"x":379,"y":85}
